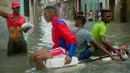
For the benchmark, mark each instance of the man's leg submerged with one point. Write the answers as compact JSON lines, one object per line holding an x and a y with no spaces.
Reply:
{"x":10,"y":50}
{"x":40,"y":56}
{"x":20,"y":46}
{"x":24,"y":46}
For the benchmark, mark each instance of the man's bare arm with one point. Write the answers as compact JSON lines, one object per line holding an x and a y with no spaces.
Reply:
{"x":104,"y":50}
{"x":3,"y":14}
{"x":104,"y":42}
{"x":101,"y":48}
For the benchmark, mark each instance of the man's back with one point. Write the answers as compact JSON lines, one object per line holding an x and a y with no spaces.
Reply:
{"x":83,"y":37}
{"x":99,"y":29}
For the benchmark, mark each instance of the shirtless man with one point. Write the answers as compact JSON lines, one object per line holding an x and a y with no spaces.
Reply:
{"x":16,"y":43}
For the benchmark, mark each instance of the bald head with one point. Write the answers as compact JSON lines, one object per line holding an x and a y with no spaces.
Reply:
{"x":51,"y":9}
{"x":49,"y":13}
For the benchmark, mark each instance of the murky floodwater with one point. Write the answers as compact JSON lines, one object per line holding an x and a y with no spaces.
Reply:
{"x":118,"y":33}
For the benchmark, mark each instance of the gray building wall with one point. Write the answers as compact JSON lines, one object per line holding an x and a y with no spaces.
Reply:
{"x":128,"y":10}
{"x":70,"y":11}
{"x":5,"y":5}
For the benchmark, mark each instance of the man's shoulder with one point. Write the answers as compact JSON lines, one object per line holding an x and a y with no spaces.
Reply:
{"x":10,"y":14}
{"x":22,"y":17}
{"x":58,"y":21}
{"x":100,"y":23}
{"x":84,"y":31}
{"x":85,"y":34}
{"x":96,"y":24}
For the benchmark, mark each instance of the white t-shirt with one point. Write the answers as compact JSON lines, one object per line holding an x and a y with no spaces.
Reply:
{"x":90,"y":15}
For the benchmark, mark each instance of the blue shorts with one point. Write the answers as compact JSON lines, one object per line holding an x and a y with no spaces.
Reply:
{"x":85,"y":54}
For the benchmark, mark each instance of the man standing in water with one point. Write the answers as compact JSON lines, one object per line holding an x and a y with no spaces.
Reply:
{"x":16,"y":43}
{"x":64,"y":40}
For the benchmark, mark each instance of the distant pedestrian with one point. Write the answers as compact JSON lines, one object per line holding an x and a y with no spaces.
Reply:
{"x":90,"y":19}
{"x":99,"y":16}
{"x":96,"y":15}
{"x":90,"y":16}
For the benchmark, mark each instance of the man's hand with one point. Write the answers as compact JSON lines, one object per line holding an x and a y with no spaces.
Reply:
{"x":117,"y":51}
{"x":3,"y":14}
{"x":67,"y":60}
{"x":36,"y":55}
{"x":26,"y":30}
{"x":117,"y":58}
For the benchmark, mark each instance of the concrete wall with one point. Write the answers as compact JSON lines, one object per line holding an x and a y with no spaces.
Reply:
{"x":105,"y":4}
{"x":128,"y":10}
{"x":122,"y":10}
{"x":70,"y":7}
{"x":5,"y":5}
{"x":117,"y":11}
{"x":90,"y":5}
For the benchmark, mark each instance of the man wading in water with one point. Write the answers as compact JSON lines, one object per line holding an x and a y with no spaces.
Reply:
{"x":16,"y":43}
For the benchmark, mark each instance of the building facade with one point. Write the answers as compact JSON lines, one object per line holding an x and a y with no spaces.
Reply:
{"x":120,"y":9}
{"x":87,"y":5}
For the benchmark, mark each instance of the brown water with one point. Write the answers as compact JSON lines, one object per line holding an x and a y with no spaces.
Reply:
{"x":118,"y":33}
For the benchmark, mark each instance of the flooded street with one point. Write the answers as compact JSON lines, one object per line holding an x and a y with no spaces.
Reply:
{"x":119,"y":33}
{"x":41,"y":37}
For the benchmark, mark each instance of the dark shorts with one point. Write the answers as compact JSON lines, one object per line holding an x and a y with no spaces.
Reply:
{"x":16,"y":46}
{"x":90,"y":20}
{"x":85,"y":54}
